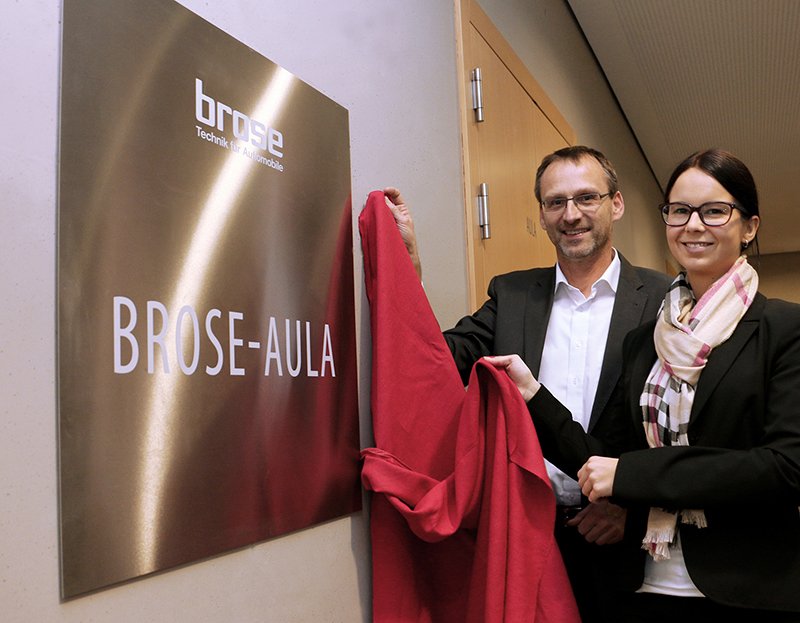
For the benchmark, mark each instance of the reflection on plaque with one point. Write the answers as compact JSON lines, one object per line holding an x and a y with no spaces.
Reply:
{"x":206,"y":331}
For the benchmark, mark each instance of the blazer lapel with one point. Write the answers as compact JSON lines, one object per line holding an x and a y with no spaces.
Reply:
{"x":629,"y":305}
{"x":538,"y":305}
{"x":723,"y":356}
{"x":640,"y":365}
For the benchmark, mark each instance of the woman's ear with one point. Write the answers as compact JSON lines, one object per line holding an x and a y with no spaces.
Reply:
{"x":750,"y":229}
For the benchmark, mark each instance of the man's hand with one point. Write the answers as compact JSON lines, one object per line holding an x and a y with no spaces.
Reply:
{"x":402,"y":216}
{"x":602,"y":522}
{"x":596,"y":477}
{"x":519,"y":372}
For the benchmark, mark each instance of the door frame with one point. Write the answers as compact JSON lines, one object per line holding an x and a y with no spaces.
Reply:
{"x":470,"y":14}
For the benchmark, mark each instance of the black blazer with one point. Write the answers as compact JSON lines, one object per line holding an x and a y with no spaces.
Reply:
{"x":742,"y":466}
{"x":514,"y":321}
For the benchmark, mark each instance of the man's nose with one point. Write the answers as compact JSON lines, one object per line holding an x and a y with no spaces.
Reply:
{"x":571,"y":211}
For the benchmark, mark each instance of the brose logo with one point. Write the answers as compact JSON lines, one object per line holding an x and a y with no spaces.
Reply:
{"x":213,"y":113}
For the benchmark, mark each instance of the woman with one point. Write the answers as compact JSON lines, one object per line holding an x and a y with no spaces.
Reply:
{"x":705,"y":423}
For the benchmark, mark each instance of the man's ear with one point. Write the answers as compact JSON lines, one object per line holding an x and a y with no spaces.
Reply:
{"x":618,"y":207}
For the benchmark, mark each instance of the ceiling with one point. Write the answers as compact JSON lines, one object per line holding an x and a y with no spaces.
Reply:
{"x":695,"y":74}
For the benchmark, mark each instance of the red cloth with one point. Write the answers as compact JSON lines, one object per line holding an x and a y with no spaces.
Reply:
{"x":463,"y":515}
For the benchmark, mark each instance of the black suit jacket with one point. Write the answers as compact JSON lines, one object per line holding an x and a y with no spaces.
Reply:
{"x":514,"y":321}
{"x":742,"y":466}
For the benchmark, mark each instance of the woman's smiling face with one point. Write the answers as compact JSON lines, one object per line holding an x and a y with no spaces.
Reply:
{"x":706,"y":252}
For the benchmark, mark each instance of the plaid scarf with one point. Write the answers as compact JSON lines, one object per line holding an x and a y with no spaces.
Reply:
{"x":686,"y":333}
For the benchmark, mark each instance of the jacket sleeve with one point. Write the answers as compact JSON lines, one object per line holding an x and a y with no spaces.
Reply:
{"x":563,"y":440}
{"x":745,"y":442}
{"x":473,"y":336}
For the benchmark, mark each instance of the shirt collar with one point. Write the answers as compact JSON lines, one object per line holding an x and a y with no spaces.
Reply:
{"x":610,"y":277}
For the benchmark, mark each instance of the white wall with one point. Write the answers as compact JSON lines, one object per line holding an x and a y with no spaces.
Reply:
{"x":393,"y":66}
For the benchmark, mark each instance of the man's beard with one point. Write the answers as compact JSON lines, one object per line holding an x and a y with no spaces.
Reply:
{"x":579,"y":252}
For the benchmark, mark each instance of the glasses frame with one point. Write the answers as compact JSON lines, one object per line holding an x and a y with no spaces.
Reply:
{"x":698,"y":209}
{"x":568,"y":199}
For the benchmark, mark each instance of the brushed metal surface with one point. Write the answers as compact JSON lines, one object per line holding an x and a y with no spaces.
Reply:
{"x":171,"y":450}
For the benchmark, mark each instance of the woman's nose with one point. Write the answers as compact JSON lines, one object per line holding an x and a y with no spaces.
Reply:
{"x":695,"y":222}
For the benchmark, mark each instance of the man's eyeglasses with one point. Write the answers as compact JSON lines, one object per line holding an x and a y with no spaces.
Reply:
{"x":712,"y":214}
{"x":586,"y":201}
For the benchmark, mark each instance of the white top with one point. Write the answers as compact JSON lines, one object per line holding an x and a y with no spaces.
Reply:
{"x":573,"y":356}
{"x":669,"y":577}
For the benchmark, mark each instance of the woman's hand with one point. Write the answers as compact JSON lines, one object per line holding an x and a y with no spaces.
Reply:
{"x":596,"y":477}
{"x":518,"y":372}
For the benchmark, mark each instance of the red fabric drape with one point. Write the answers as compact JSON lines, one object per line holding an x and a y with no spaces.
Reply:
{"x":463,"y":512}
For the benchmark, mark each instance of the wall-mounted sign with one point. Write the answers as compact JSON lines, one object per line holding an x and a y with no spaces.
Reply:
{"x":206,"y":331}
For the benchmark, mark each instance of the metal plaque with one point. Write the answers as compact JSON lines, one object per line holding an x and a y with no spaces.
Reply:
{"x":206,"y":328}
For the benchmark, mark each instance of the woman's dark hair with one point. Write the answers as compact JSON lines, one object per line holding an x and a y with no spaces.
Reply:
{"x":729,"y":171}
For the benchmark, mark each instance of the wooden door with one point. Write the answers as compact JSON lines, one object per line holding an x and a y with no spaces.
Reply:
{"x":503,"y":151}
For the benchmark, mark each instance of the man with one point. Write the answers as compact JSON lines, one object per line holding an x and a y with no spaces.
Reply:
{"x":567,"y":322}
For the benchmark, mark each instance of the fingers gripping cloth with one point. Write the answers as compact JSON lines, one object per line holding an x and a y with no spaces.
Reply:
{"x":463,"y":512}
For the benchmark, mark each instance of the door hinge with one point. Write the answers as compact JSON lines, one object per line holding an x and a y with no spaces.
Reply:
{"x":477,"y":94}
{"x":483,"y":212}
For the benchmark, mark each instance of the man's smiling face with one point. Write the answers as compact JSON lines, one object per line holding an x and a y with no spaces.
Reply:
{"x":578,"y":234}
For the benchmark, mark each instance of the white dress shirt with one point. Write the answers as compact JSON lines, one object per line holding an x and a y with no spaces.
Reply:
{"x":573,"y":356}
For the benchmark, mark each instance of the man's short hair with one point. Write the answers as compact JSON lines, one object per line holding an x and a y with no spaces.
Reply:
{"x":575,"y":154}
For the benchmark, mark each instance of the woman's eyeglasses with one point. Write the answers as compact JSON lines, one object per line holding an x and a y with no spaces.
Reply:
{"x":712,"y":214}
